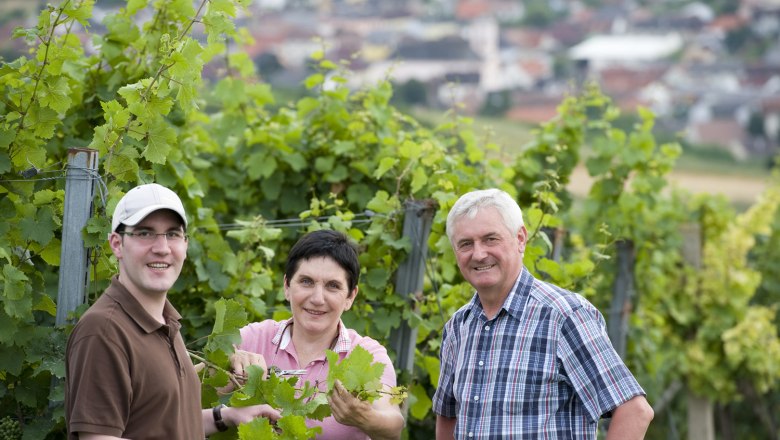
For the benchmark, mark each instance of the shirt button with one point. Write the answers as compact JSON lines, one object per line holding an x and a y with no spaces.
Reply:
{"x":476,"y":398}
{"x":471,"y":434}
{"x":487,"y":327}
{"x":481,"y":363}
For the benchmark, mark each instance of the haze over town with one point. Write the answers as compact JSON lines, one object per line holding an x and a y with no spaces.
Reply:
{"x":709,"y":70}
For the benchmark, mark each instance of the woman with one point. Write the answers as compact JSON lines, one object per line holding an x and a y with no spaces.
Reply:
{"x":320,"y":282}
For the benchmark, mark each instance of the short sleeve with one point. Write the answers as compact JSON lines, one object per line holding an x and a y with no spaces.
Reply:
{"x":444,"y":403}
{"x":99,"y":386}
{"x":256,"y":337}
{"x":598,"y":374}
{"x":379,"y":352}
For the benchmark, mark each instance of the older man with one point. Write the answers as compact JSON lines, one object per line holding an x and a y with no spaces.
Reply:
{"x":524,"y":358}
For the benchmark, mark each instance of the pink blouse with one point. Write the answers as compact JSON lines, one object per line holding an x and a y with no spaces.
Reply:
{"x":273,"y":340}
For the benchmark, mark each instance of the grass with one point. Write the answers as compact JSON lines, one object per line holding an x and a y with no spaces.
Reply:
{"x":714,"y":160}
{"x":511,"y":136}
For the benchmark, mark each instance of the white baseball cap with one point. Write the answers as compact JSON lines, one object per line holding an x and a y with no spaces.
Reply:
{"x":144,"y":200}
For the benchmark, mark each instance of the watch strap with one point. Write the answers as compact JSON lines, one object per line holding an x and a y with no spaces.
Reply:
{"x":218,"y":422}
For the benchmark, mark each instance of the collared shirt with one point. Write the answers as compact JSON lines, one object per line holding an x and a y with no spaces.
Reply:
{"x":273,"y":340}
{"x":128,"y":375}
{"x":543,"y":367}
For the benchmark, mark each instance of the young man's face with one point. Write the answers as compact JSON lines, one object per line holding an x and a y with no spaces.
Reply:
{"x":150,"y":267}
{"x":318,"y":293}
{"x":489,"y":256}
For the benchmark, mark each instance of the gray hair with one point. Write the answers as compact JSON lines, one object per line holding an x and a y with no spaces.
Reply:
{"x":470,"y":203}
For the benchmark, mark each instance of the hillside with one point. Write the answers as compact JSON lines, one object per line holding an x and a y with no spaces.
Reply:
{"x":742,"y":190}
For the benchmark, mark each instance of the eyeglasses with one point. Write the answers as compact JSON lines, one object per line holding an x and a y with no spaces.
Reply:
{"x":149,"y":236}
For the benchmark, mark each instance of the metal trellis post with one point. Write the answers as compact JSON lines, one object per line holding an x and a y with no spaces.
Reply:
{"x":74,"y":268}
{"x":701,"y":419}
{"x":622,"y":294}
{"x":409,"y":278}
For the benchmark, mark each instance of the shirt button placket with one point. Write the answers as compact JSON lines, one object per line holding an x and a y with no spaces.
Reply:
{"x":480,"y":373}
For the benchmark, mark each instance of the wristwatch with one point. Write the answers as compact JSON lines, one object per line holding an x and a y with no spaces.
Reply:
{"x":218,"y":422}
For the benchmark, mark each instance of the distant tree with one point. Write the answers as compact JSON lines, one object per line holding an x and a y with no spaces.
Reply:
{"x":496,"y":103}
{"x":412,"y":92}
{"x":539,"y":13}
{"x":749,"y":45}
{"x":562,"y":66}
{"x":721,"y":7}
{"x":756,"y":125}
{"x":13,"y":14}
{"x":268,"y":64}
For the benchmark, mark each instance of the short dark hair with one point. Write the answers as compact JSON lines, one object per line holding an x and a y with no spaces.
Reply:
{"x":325,"y":243}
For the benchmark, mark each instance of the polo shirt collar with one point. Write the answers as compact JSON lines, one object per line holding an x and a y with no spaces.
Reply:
{"x":283,"y":336}
{"x":119,"y":293}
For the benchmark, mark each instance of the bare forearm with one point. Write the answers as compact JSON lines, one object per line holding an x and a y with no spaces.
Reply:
{"x":385,"y":424}
{"x":380,"y":420}
{"x":208,"y":422}
{"x":630,"y":420}
{"x":445,"y":427}
{"x":90,"y":436}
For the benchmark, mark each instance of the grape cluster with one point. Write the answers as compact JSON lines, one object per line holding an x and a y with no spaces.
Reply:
{"x":10,"y":429}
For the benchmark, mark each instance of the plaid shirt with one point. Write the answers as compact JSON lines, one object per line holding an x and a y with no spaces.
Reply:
{"x":543,"y":367}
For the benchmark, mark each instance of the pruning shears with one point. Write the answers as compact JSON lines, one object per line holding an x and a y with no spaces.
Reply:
{"x":279,"y":372}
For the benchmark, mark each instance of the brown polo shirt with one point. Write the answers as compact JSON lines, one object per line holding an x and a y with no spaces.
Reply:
{"x":128,"y":375}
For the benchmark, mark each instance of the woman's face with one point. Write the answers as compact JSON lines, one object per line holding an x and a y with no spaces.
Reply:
{"x":318,"y":293}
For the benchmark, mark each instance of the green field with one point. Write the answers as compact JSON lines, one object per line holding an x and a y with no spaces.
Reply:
{"x":511,"y":136}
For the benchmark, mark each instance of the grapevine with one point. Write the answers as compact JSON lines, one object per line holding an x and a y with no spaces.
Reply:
{"x":360,"y":376}
{"x":242,"y":160}
{"x":297,"y":401}
{"x":357,"y":372}
{"x":10,"y":429}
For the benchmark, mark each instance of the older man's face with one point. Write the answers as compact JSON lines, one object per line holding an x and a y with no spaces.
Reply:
{"x":489,"y":256}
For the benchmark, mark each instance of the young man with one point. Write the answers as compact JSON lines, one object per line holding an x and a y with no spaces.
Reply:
{"x":524,"y":358}
{"x":127,"y":369}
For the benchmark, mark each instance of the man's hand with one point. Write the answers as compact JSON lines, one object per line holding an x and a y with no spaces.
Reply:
{"x":235,"y":416}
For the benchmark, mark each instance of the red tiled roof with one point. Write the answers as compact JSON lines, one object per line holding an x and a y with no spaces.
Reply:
{"x":771,"y":104}
{"x":727,"y":23}
{"x":533,"y":113}
{"x":622,"y":80}
{"x":470,"y":9}
{"x":534,"y":68}
{"x":718,"y":132}
{"x":524,"y":37}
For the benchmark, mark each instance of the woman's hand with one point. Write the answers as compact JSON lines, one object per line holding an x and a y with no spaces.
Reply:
{"x":241,"y":360}
{"x":380,"y":420}
{"x":346,"y":408}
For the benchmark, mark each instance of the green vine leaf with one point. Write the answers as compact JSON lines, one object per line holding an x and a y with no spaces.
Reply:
{"x":160,"y":137}
{"x":358,"y":373}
